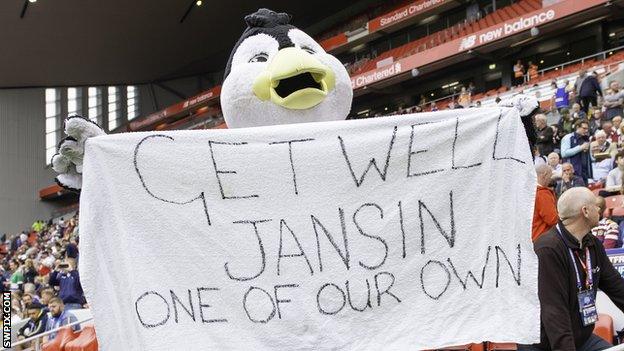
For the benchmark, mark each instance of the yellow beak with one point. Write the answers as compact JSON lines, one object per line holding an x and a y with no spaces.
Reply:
{"x":294,"y":79}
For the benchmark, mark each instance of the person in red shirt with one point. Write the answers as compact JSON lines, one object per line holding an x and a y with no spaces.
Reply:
{"x":545,"y":214}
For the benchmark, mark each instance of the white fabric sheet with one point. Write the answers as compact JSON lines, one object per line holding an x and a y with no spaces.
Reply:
{"x":404,"y":232}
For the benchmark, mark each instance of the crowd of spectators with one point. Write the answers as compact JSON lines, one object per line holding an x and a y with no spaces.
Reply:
{"x":39,"y":268}
{"x":582,"y":147}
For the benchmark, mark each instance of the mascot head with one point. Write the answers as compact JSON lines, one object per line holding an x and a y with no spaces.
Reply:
{"x":277,"y":74}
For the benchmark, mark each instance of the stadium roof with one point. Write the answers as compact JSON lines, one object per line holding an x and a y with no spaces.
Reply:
{"x":78,"y":42}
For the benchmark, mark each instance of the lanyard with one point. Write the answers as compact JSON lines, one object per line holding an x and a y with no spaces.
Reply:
{"x":587,"y":266}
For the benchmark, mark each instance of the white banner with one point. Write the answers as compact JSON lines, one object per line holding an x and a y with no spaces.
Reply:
{"x":396,"y":233}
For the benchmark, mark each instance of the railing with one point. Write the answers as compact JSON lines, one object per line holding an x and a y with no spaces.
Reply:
{"x":602,"y":55}
{"x":37,"y":340}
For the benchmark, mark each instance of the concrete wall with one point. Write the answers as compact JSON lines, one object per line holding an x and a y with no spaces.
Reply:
{"x":23,"y":168}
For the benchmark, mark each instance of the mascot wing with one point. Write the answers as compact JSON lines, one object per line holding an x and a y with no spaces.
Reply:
{"x":68,"y":160}
{"x":528,"y":107}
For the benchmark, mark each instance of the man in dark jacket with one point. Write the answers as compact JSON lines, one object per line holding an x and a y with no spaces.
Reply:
{"x":545,"y":143}
{"x":575,"y":149}
{"x":38,"y":315}
{"x":567,"y":292}
{"x":588,"y":89}
{"x":70,"y":289}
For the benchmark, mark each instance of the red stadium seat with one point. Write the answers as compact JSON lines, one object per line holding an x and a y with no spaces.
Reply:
{"x":604,"y":327}
{"x":86,"y":341}
{"x":596,"y":186}
{"x":507,"y":14}
{"x":467,"y":347}
{"x":517,"y":10}
{"x":525,"y":6}
{"x":498,"y":17}
{"x":535,"y":4}
{"x":64,"y":335}
{"x":614,"y":205}
{"x":491,"y":346}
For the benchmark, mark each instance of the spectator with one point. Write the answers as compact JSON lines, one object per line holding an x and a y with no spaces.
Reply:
{"x":607,"y":231}
{"x":577,"y":112}
{"x":545,"y":211}
{"x":588,"y":89}
{"x":16,"y":242}
{"x":67,"y":279}
{"x":595,"y":123}
{"x":621,"y":135}
{"x":537,"y":158}
{"x":614,"y":178}
{"x":45,"y":263}
{"x":555,"y":165}
{"x":37,"y":323}
{"x":617,"y":123}
{"x":30,"y":273}
{"x":545,"y":142}
{"x":464,"y":98}
{"x":614,"y":100}
{"x":471,"y":88}
{"x":561,"y":97}
{"x":422,"y":101}
{"x":566,"y":123}
{"x":575,"y":149}
{"x":561,"y":253}
{"x":556,"y":137}
{"x":17,"y":308}
{"x":532,"y":72}
{"x":568,"y":179}
{"x":433,"y":106}
{"x":611,"y":134}
{"x":46,"y":295}
{"x":604,"y":143}
{"x":59,"y":317}
{"x":518,"y":70}
{"x":71,"y":249}
{"x":27,"y":299}
{"x":17,"y":275}
{"x":601,"y":161}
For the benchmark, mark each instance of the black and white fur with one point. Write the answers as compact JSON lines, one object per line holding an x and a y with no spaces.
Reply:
{"x":267,"y":33}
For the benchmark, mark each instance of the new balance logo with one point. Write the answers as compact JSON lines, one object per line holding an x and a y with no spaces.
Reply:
{"x":467,"y":42}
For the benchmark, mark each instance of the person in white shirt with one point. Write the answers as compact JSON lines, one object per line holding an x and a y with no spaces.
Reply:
{"x":614,"y":178}
{"x":553,"y":162}
{"x":602,"y":152}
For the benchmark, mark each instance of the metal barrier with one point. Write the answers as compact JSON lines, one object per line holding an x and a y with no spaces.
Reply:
{"x":603,"y":55}
{"x":37,"y":340}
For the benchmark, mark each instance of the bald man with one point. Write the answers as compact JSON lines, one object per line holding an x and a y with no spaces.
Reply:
{"x":544,"y":143}
{"x":545,"y":211}
{"x":567,"y":299}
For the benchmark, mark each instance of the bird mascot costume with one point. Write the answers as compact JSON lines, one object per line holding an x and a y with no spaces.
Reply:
{"x":276,"y":75}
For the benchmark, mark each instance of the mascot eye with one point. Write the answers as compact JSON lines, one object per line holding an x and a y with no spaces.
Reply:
{"x":261,"y":57}
{"x":308,"y":49}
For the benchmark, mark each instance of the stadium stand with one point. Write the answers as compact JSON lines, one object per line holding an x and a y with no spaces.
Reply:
{"x":31,"y":256}
{"x":458,"y":30}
